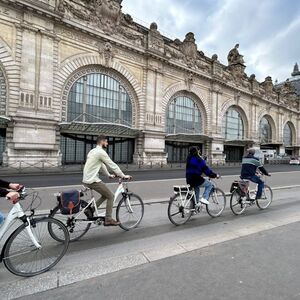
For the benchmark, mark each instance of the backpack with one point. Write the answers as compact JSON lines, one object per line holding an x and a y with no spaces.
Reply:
{"x":69,"y":202}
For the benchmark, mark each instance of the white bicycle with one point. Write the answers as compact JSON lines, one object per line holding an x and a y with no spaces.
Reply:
{"x":31,"y":249}
{"x":130,"y":212}
{"x":183,"y":205}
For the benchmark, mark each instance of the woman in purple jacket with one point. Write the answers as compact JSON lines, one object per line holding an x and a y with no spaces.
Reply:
{"x":195,"y":167}
{"x":13,"y":196}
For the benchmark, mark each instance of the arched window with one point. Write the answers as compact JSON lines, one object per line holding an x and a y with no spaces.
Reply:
{"x":97,"y":98}
{"x":233,"y":126}
{"x":100,"y":98}
{"x":265,"y":131}
{"x":183,"y":116}
{"x":287,"y":135}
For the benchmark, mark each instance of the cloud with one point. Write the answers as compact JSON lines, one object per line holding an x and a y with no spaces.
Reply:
{"x":268,"y":31}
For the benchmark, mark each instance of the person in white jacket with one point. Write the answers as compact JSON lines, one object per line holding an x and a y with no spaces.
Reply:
{"x":99,"y":161}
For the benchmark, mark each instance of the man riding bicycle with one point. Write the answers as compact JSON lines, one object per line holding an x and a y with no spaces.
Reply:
{"x":13,"y":196}
{"x":250,"y":165}
{"x":99,"y":161}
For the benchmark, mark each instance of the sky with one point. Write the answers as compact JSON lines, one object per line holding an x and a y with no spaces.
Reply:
{"x":268,"y":31}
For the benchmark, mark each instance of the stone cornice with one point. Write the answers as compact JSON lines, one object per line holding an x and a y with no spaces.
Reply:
{"x":44,"y":10}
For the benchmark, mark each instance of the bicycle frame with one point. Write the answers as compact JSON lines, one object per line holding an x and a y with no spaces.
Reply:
{"x":17,"y":213}
{"x":121,"y":189}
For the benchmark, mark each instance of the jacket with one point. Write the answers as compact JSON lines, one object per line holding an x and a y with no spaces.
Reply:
{"x":250,"y":165}
{"x":195,"y":167}
{"x":3,"y":186}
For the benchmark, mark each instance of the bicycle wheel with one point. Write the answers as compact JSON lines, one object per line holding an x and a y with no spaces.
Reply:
{"x":77,"y":228}
{"x":266,"y":198}
{"x":217,"y":203}
{"x":130,"y":211}
{"x":179,"y":212}
{"x":21,"y":257}
{"x":237,"y":204}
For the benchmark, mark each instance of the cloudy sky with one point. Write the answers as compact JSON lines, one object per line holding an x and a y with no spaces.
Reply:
{"x":268,"y":31}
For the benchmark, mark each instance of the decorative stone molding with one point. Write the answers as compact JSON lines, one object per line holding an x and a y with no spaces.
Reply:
{"x":82,"y":65}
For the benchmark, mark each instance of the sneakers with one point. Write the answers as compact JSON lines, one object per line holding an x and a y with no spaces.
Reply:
{"x":204,"y":201}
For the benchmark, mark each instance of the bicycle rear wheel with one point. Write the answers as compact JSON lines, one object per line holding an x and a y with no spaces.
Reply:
{"x":130,"y":211}
{"x":266,"y":198}
{"x":237,"y":204}
{"x":22,"y":258}
{"x":217,"y":203}
{"x":76,"y":228}
{"x":179,"y":212}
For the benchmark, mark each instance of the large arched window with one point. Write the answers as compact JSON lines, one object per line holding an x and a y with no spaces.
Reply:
{"x":265,"y":131}
{"x":100,"y":98}
{"x":183,"y":116}
{"x":287,"y":135}
{"x":233,"y":126}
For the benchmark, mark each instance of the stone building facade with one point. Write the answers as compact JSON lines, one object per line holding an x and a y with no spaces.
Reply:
{"x":73,"y":69}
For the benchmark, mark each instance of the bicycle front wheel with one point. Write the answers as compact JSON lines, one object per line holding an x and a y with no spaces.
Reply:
{"x":266,"y":198}
{"x":21,"y":256}
{"x":217,"y":203}
{"x":130,"y":211}
{"x":237,"y":204}
{"x":180,"y":211}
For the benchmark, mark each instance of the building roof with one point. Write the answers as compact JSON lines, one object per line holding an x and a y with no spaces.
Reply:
{"x":294,"y":80}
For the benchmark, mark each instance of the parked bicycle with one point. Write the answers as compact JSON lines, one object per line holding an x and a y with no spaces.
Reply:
{"x":31,"y":249}
{"x":242,"y":197}
{"x":183,"y":204}
{"x":130,"y":211}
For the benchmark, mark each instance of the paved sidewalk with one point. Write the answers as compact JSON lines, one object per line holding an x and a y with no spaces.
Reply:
{"x":106,"y":250}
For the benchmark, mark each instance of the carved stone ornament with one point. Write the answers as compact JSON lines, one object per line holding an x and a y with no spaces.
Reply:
{"x":268,"y":86}
{"x":189,"y":80}
{"x":288,"y":96}
{"x":108,"y":53}
{"x":155,"y":40}
{"x":234,"y":57}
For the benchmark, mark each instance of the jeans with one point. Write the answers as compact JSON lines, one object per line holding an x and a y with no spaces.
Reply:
{"x":106,"y":195}
{"x":260,"y":185}
{"x":208,"y":186}
{"x":1,"y":218}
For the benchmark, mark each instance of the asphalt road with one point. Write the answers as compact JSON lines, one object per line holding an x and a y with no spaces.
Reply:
{"x":263,"y":266}
{"x":47,"y":180}
{"x":107,"y":250}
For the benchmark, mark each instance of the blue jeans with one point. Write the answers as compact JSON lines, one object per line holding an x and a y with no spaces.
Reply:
{"x":208,"y":186}
{"x":1,"y":218}
{"x":260,"y":185}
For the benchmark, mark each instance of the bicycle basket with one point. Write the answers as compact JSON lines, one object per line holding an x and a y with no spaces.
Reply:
{"x":69,"y":202}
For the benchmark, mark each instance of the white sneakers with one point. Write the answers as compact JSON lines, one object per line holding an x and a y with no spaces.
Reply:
{"x":204,"y":201}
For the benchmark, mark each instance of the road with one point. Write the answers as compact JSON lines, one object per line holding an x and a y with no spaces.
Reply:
{"x":104,"y":251}
{"x":263,"y":266}
{"x":45,"y":180}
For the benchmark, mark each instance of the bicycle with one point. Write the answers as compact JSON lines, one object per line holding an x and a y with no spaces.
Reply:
{"x":31,"y":250}
{"x":242,"y":197}
{"x":78,"y":224}
{"x":183,"y":204}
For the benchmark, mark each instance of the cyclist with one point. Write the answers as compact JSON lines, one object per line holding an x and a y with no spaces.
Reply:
{"x":13,"y":196}
{"x":250,"y":165}
{"x":195,"y":167}
{"x":99,"y":161}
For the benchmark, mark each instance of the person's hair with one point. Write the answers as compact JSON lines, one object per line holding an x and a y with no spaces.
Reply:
{"x":251,"y":151}
{"x":101,"y":138}
{"x":193,"y":151}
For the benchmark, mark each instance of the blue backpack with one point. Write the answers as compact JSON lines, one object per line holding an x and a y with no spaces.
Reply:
{"x":69,"y":202}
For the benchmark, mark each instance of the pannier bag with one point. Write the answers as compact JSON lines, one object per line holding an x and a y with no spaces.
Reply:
{"x":240,"y":186}
{"x":69,"y":202}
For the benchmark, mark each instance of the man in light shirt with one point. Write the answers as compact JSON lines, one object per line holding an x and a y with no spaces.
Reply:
{"x":99,"y":161}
